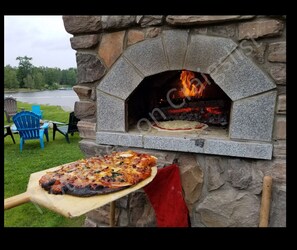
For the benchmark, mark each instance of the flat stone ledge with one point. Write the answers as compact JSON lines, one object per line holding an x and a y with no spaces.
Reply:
{"x":200,"y":20}
{"x":83,"y":92}
{"x":87,"y":129}
{"x":84,"y":42}
{"x":82,"y":24}
{"x":260,"y":28}
{"x":117,"y":22}
{"x":120,"y":139}
{"x":256,"y":150}
{"x":85,"y":109}
{"x":171,"y":143}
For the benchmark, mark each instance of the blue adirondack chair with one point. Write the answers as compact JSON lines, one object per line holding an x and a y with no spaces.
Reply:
{"x":28,"y":126}
{"x":36,"y":109}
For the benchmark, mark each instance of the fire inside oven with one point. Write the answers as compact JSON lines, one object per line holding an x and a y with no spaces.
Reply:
{"x":179,"y":95}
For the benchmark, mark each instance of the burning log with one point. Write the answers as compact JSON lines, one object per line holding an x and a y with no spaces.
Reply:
{"x":211,"y":112}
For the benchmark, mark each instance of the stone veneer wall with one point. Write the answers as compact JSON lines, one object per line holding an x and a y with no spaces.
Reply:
{"x":219,"y":191}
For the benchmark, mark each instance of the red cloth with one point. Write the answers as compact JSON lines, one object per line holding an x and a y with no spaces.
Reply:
{"x":166,"y":197}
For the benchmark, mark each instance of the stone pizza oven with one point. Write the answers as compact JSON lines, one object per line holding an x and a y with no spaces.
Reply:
{"x":228,"y":72}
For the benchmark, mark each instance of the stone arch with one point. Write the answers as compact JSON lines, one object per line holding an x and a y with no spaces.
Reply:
{"x":250,"y":89}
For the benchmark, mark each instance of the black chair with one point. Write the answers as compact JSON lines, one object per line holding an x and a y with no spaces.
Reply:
{"x":66,"y":129}
{"x":8,"y":132}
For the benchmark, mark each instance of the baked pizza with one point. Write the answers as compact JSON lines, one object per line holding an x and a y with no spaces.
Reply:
{"x":99,"y":175}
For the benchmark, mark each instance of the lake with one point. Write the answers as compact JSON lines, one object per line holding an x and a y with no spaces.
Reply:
{"x":63,"y":98}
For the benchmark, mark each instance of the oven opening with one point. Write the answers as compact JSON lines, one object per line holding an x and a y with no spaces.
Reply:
{"x":179,"y":99}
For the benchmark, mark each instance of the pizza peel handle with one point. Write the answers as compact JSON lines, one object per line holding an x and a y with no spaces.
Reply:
{"x":16,"y":200}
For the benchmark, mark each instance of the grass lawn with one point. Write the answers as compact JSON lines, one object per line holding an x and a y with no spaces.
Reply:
{"x":19,"y":165}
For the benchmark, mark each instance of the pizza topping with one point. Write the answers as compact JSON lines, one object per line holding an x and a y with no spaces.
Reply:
{"x":99,"y":175}
{"x":126,"y":155}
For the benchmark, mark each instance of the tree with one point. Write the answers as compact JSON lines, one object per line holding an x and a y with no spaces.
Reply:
{"x":72,"y":73}
{"x":64,"y":77}
{"x":24,"y":69}
{"x":10,"y":78}
{"x":39,"y":82}
{"x":52,"y":75}
{"x":68,"y":77}
{"x":26,"y":75}
{"x":29,"y":82}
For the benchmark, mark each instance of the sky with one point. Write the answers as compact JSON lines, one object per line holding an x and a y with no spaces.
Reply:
{"x":43,"y":38}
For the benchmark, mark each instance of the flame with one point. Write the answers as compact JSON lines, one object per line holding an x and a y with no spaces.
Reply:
{"x":190,"y":87}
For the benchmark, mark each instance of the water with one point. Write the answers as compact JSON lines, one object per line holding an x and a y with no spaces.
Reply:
{"x":63,"y":98}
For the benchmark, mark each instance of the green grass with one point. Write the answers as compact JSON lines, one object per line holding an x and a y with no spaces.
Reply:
{"x":18,"y":166}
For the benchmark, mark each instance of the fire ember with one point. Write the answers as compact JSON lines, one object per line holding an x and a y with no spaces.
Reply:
{"x":191,"y":102}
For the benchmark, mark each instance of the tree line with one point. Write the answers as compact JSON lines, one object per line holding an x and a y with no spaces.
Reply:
{"x":26,"y":75}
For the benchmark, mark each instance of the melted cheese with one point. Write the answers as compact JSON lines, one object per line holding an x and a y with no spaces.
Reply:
{"x":116,"y":170}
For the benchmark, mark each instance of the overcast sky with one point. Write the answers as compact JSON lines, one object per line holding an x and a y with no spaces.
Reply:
{"x":43,"y":38}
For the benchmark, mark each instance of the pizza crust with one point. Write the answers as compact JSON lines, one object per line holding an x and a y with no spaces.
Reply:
{"x":179,"y":126}
{"x":99,"y":175}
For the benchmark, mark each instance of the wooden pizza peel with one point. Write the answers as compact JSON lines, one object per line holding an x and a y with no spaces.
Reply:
{"x":68,"y":205}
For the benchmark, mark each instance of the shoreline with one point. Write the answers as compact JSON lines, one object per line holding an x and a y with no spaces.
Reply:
{"x":63,"y":98}
{"x":20,"y":91}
